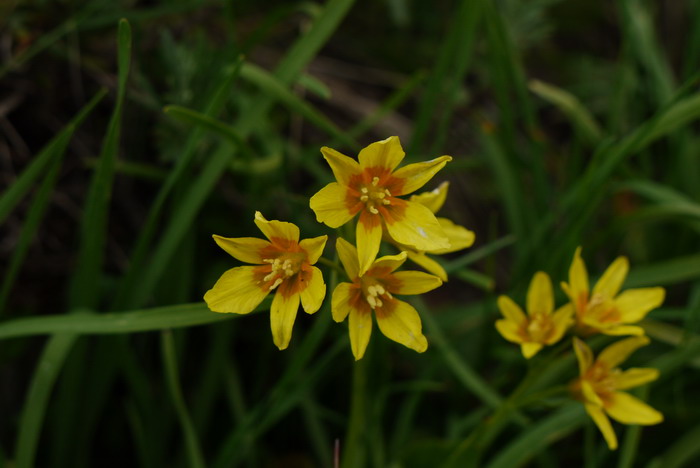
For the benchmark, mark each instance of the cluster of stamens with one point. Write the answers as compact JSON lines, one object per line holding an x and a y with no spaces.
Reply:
{"x":373,"y":293}
{"x":539,"y":327}
{"x":280,"y":269}
{"x":374,"y":196}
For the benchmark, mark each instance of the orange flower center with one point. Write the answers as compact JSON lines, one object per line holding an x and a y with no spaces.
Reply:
{"x":374,"y":292}
{"x":538,"y":328}
{"x":373,"y":194}
{"x":601,"y":378}
{"x":282,"y":267}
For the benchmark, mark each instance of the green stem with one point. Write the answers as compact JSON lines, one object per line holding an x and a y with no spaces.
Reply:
{"x":354,"y":450}
{"x":332,"y":264}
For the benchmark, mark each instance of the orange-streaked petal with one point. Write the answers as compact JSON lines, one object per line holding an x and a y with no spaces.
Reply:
{"x":348,"y":257}
{"x":434,"y":199}
{"x":584,"y":355}
{"x":329,"y":205}
{"x":368,"y":237}
{"x":340,"y":302}
{"x":418,"y":228}
{"x":360,"y":328}
{"x":427,"y":263}
{"x":562,"y":319}
{"x":342,"y":166}
{"x":627,"y":409}
{"x":603,"y":423}
{"x":400,"y":322}
{"x":315,"y":291}
{"x":458,"y":236}
{"x":530,"y":349}
{"x":386,"y":153}
{"x":417,"y":175}
{"x":635,"y":304}
{"x":635,"y":377}
{"x":413,"y":282}
{"x":540,"y":297}
{"x":510,"y":310}
{"x":619,"y":351}
{"x":236,"y":292}
{"x":610,"y":283}
{"x":589,"y":394}
{"x":245,"y":249}
{"x":578,"y":279}
{"x":276,"y":229}
{"x":313,"y":247}
{"x":509,"y":330}
{"x":387,"y":264}
{"x":282,"y":315}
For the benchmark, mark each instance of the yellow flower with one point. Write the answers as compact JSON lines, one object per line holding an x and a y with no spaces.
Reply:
{"x":371,"y":189}
{"x":458,"y":236}
{"x":374,"y":291}
{"x":283,"y":263}
{"x":540,"y":326}
{"x":600,"y":381}
{"x":604,"y":310}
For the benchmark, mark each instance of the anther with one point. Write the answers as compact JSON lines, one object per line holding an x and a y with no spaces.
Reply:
{"x":364,"y":190}
{"x":373,"y":210}
{"x":277,"y":282}
{"x":270,"y":276}
{"x":379,"y":290}
{"x":364,"y":198}
{"x":386,"y":202}
{"x":375,"y":180}
{"x":387,"y":192}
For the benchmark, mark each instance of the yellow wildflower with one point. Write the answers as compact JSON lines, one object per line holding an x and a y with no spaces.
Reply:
{"x":600,"y":381}
{"x":283,"y":263}
{"x":458,"y":236}
{"x":371,"y":188}
{"x":541,"y":326}
{"x":374,"y":291}
{"x":604,"y":310}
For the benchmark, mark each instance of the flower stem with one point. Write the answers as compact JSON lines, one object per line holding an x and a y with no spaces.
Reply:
{"x":354,"y":450}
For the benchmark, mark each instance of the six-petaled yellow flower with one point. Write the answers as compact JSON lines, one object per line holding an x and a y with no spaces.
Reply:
{"x":603,"y":310}
{"x":458,"y":236}
{"x":284,"y":265}
{"x":600,"y":382}
{"x":541,"y":326}
{"x":371,"y":188}
{"x":373,"y":291}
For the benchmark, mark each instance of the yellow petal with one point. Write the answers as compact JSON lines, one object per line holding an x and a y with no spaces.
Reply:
{"x":236,"y":292}
{"x":342,"y":166}
{"x":413,"y":282}
{"x":635,"y":377}
{"x":627,"y":409}
{"x":619,"y":351}
{"x":245,"y":249}
{"x":578,"y":279}
{"x":417,"y":175}
{"x":313,"y":247}
{"x":348,"y":257}
{"x":434,"y":199}
{"x":621,"y":330}
{"x":530,"y":349}
{"x":610,"y":283}
{"x":340,"y":302}
{"x":329,"y":205}
{"x":562,"y":319}
{"x":368,"y":237}
{"x":458,"y":236}
{"x":312,"y":296}
{"x":589,"y":394}
{"x":360,"y":328}
{"x":387,"y":264}
{"x":584,"y":355}
{"x":427,"y":263}
{"x":386,"y":153}
{"x":635,"y":304}
{"x":276,"y":229}
{"x":282,"y":315}
{"x":603,"y":423}
{"x":400,"y":322}
{"x":509,"y":330}
{"x":510,"y":310}
{"x":540,"y":297}
{"x":418,"y":228}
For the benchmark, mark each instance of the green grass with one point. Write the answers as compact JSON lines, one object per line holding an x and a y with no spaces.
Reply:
{"x":142,"y":131}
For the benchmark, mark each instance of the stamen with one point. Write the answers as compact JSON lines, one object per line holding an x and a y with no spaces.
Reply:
{"x":373,"y":210}
{"x":375,"y":180}
{"x":372,"y":301}
{"x":379,"y":303}
{"x":386,"y":202}
{"x":364,"y":198}
{"x":277,"y":282}
{"x":267,"y":260}
{"x":372,"y":290}
{"x":270,"y":276}
{"x":387,"y":192}
{"x":364,"y":190}
{"x":379,"y":290}
{"x":381,"y":195}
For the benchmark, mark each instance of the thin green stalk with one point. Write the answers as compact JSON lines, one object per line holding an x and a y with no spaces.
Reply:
{"x":194,"y":453}
{"x":354,"y":451}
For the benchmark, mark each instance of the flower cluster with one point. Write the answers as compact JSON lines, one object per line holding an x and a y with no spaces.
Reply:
{"x":602,"y":310}
{"x":371,"y":190}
